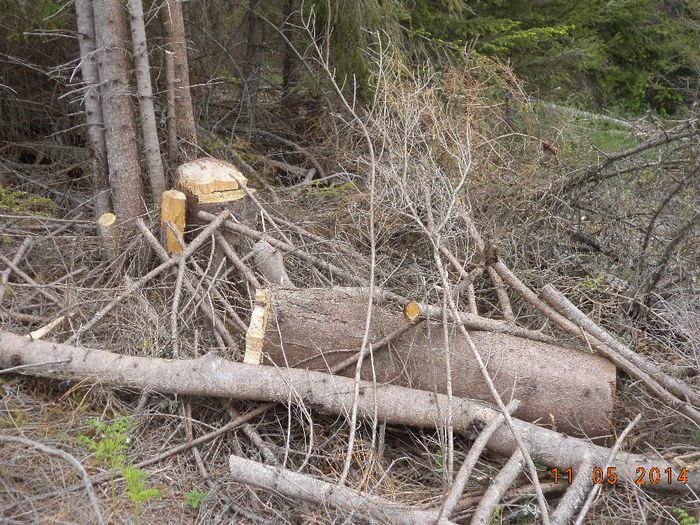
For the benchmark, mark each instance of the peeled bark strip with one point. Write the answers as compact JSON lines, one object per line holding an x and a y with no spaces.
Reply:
{"x":321,"y":327}
{"x":306,"y":488}
{"x":256,"y":331}
{"x":211,"y":376}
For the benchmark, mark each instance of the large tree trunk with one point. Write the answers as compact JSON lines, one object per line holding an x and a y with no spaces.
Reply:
{"x":255,"y":47}
{"x":154,"y":163}
{"x":317,"y":328}
{"x":213,"y":376}
{"x":118,"y":113}
{"x":173,"y":25}
{"x":93,"y":109}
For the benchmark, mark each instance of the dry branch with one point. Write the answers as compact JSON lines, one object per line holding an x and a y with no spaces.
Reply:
{"x":503,"y":480}
{"x":565,"y":324}
{"x":135,"y":285}
{"x":306,"y":488}
{"x":211,"y":376}
{"x":452,"y":498}
{"x":565,"y":307}
{"x":271,"y":264}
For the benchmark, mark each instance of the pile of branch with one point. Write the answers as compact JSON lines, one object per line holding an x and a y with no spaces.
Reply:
{"x":445,"y":359}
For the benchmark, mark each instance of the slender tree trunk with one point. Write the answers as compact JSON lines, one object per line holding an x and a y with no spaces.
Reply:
{"x":173,"y":25}
{"x":117,"y":110}
{"x":154,"y":163}
{"x":255,"y":46}
{"x":289,"y":72}
{"x":93,"y":110}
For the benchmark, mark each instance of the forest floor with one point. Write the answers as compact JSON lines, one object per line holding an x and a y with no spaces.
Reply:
{"x":606,"y":213}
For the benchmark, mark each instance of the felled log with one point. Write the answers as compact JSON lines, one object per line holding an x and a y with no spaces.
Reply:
{"x":212,"y":185}
{"x":571,"y":391}
{"x":212,"y":376}
{"x":306,"y":488}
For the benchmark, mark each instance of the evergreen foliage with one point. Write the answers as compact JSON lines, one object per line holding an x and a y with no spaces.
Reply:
{"x":632,"y":55}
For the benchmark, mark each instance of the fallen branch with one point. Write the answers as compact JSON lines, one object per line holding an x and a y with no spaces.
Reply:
{"x":304,"y":487}
{"x":465,"y":471}
{"x":210,"y":376}
{"x":500,"y":484}
{"x":65,"y":455}
{"x":563,"y":305}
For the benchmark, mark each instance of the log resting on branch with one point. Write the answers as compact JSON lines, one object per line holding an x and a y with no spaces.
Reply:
{"x":211,"y":376}
{"x":317,"y":328}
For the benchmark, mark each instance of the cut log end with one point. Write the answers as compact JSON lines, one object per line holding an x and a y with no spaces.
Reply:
{"x":411,"y":312}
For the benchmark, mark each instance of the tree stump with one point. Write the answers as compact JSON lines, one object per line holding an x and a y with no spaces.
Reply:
{"x":212,"y":185}
{"x":565,"y":389}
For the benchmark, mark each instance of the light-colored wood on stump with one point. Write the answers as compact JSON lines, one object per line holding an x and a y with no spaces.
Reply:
{"x":212,"y":185}
{"x":173,"y":209}
{"x":212,"y":180}
{"x":110,"y":238}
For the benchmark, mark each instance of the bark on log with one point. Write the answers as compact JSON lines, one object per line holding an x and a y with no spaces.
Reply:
{"x":211,"y":376}
{"x":573,"y":391}
{"x":306,"y":488}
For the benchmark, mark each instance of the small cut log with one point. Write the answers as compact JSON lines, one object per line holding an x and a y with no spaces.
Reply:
{"x":317,"y":328}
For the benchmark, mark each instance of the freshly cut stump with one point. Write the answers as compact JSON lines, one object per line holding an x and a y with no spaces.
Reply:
{"x":560,"y":388}
{"x":213,"y":185}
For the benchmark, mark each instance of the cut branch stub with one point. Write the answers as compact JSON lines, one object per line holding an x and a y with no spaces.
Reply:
{"x":109,"y":235}
{"x":212,"y":185}
{"x":411,"y":312}
{"x":256,"y":331}
{"x":173,"y":205}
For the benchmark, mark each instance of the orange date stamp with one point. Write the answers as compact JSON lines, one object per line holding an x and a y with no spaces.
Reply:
{"x":653,"y":476}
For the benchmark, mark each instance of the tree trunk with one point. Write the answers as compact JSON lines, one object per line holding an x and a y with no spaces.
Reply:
{"x":173,"y":25}
{"x":255,"y":47}
{"x":213,"y":376}
{"x":97,"y":146}
{"x":320,"y":327}
{"x":289,"y":71}
{"x":118,"y":113}
{"x":154,"y":163}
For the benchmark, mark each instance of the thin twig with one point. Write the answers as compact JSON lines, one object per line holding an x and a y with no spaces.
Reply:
{"x":87,"y":482}
{"x":618,"y":443}
{"x":452,"y":498}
